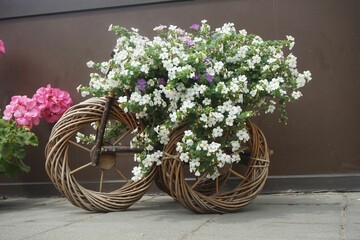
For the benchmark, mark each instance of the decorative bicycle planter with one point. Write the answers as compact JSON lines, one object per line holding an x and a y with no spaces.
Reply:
{"x":186,"y":99}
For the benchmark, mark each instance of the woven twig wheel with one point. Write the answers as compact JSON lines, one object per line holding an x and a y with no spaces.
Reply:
{"x":64,"y":178}
{"x":249,"y":182}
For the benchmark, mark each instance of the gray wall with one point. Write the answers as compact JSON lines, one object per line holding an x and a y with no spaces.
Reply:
{"x":321,"y":136}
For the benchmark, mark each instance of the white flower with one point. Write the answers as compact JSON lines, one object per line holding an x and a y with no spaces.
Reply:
{"x":176,"y":61}
{"x":211,"y":71}
{"x":173,"y":117}
{"x":219,"y":117}
{"x":203,"y":145}
{"x":90,"y":64}
{"x":217,"y":132}
{"x":235,"y":145}
{"x":300,"y":81}
{"x":229,"y":121}
{"x":218,"y":66}
{"x":79,"y":136}
{"x":188,"y":133}
{"x":243,"y":135}
{"x":243,"y":32}
{"x":291,"y":61}
{"x":150,"y":82}
{"x":213,"y":147}
{"x":307,"y":75}
{"x":137,"y":174}
{"x":253,"y":92}
{"x":179,"y":147}
{"x":270,"y":109}
{"x":292,"y":41}
{"x":256,"y":59}
{"x":296,"y":94}
{"x":184,"y":157}
{"x":206,"y":101}
{"x":122,"y":99}
{"x":161,"y":27}
{"x":145,"y":68}
{"x":84,"y":93}
{"x":189,"y":142}
{"x":187,"y":105}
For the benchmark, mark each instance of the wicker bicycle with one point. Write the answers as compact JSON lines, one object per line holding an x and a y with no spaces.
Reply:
{"x":237,"y":185}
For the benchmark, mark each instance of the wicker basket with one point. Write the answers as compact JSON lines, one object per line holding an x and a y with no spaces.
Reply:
{"x":204,"y":196}
{"x":57,"y":160}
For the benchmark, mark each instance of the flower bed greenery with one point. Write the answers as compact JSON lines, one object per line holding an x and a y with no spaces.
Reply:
{"x":13,"y":139}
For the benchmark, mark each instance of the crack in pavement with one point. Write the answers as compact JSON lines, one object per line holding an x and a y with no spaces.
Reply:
{"x":343,"y":217}
{"x":210,"y":220}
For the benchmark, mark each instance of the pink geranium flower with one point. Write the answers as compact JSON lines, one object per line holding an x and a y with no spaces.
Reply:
{"x":2,"y":47}
{"x":52,"y":102}
{"x":24,"y":110}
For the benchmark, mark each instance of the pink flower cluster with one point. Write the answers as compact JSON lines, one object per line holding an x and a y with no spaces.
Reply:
{"x":52,"y":102}
{"x":48,"y":103}
{"x":24,"y":110}
{"x":2,"y":47}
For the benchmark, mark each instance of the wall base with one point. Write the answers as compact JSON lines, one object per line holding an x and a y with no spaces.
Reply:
{"x":274,"y":184}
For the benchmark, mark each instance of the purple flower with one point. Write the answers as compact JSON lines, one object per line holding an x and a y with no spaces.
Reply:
{"x":141,"y":84}
{"x":161,"y":81}
{"x":207,"y":59}
{"x":195,"y":27}
{"x":208,"y":77}
{"x":197,"y":76}
{"x":207,"y":62}
{"x":188,"y":40}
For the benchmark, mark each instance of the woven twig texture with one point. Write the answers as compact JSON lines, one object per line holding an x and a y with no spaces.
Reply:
{"x":57,"y":160}
{"x":205,"y":195}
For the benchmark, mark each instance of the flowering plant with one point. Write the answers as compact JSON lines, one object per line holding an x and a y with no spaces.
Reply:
{"x":2,"y":47}
{"x":52,"y":102}
{"x":210,"y":80}
{"x":19,"y":117}
{"x":12,"y":142}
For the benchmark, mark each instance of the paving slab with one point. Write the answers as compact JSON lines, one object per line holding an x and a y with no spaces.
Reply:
{"x":271,"y":217}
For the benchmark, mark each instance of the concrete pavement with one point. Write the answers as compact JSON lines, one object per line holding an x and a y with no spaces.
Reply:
{"x":270,"y":217}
